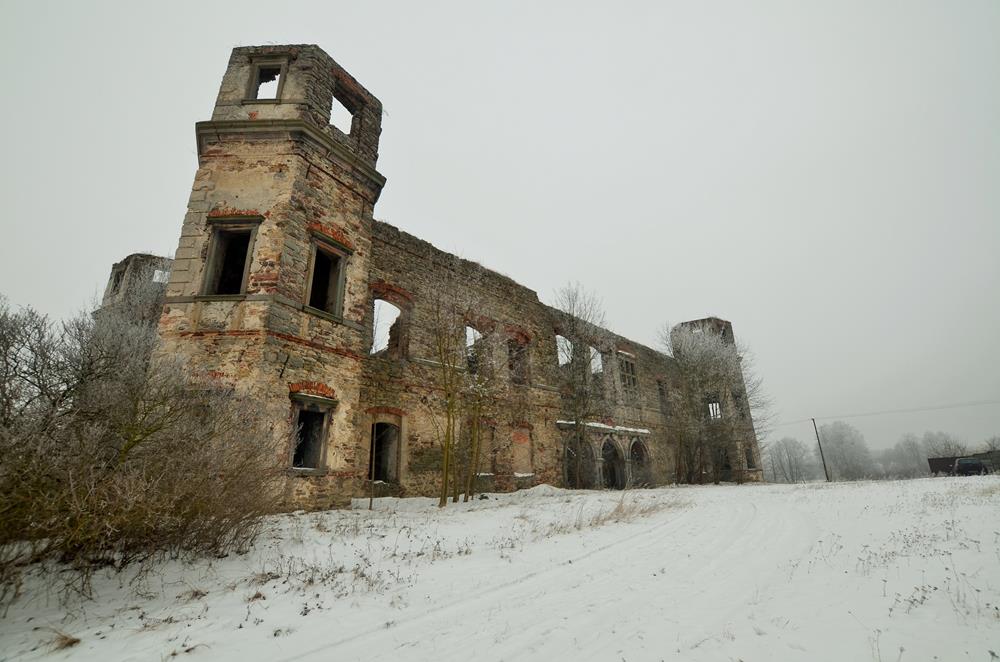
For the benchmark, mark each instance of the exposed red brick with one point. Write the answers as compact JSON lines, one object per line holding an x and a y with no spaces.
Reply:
{"x":313,"y":388}
{"x":332,"y":233}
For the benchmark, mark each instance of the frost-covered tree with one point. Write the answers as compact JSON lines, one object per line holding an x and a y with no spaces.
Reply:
{"x":906,"y":459}
{"x":942,"y":444}
{"x":789,"y":461}
{"x":713,"y":375}
{"x":847,"y":454}
{"x":581,"y":373}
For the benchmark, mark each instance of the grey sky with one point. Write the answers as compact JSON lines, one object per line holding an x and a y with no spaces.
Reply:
{"x":826,"y":175}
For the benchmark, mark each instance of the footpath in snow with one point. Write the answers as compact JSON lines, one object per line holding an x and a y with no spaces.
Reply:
{"x":882,"y":571}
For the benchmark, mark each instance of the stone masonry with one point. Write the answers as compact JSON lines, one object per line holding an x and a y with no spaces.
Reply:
{"x":274,"y":287}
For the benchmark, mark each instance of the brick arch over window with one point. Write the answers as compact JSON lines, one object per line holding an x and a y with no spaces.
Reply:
{"x":317,"y":389}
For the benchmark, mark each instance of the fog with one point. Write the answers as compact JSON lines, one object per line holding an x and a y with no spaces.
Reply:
{"x":824,"y":175}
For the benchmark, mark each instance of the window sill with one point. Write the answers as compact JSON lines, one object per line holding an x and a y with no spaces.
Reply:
{"x":323,"y":314}
{"x":247,"y":102}
{"x":304,"y":471}
{"x":221,"y":297}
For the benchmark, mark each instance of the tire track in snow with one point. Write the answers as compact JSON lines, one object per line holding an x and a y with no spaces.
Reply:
{"x":442,"y":609}
{"x":584,"y":592}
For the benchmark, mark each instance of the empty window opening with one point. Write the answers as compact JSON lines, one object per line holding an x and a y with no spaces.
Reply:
{"x":661,"y":391}
{"x":383,"y":458}
{"x":385,"y":327}
{"x":630,"y":382}
{"x":564,"y":350}
{"x":309,"y":439}
{"x":739,"y":405}
{"x":749,"y":457}
{"x":341,"y":117}
{"x":640,"y":464}
{"x":714,"y":411}
{"x":229,"y":261}
{"x":596,"y":362}
{"x":324,"y":294}
{"x":267,"y":82}
{"x":160,"y":276}
{"x":517,"y":361}
{"x":473,"y":349}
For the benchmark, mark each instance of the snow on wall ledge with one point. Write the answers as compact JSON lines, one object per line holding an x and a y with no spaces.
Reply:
{"x":610,"y":428}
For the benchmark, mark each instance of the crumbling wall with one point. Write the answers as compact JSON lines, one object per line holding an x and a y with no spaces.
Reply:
{"x":277,"y":181}
{"x":276,"y":166}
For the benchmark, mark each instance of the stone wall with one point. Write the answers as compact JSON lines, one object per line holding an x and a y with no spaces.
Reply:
{"x":276,"y":169}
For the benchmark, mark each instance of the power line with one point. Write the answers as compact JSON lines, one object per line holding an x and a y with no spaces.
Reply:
{"x":957,"y":405}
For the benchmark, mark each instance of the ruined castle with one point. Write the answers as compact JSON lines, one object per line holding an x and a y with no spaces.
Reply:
{"x":284,"y":283}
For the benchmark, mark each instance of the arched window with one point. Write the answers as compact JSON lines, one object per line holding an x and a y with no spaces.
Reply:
{"x":612,"y":469}
{"x":596,"y":362}
{"x":385,"y":328}
{"x":517,"y":359}
{"x":564,"y":350}
{"x":640,"y":463}
{"x":475,"y":349}
{"x":383,"y":458}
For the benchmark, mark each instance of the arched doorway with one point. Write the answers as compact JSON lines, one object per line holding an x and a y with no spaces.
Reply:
{"x":579,"y":465}
{"x":640,"y":464}
{"x":383,"y":461}
{"x":612,"y":467}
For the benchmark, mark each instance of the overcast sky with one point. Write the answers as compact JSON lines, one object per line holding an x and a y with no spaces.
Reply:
{"x":825,"y":175}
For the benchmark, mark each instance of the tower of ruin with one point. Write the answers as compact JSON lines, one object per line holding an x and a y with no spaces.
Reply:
{"x":269,"y":287}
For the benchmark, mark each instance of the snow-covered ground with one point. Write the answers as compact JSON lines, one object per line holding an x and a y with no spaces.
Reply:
{"x":891,"y":571}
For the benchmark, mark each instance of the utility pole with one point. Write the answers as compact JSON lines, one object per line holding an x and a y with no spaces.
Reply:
{"x":825,"y":471}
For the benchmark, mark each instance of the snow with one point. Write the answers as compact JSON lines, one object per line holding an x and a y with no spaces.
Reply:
{"x":847,"y":571}
{"x":603,"y":426}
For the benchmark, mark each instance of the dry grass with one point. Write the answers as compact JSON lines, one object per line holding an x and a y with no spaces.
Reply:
{"x":62,"y":641}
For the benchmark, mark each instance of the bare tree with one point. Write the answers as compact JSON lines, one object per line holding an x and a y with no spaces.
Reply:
{"x":448,"y":345}
{"x":942,"y":444}
{"x":789,"y":461}
{"x":906,"y":459}
{"x":581,"y":373}
{"x":482,"y":394}
{"x":846,"y":451}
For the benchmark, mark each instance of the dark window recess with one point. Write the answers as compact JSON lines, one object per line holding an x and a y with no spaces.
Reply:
{"x":384,"y":451}
{"x":517,"y":361}
{"x":325,"y":281}
{"x":309,"y":439}
{"x":661,"y":390}
{"x":749,"y":455}
{"x":229,"y":261}
{"x":267,"y":83}
{"x":739,"y":405}
{"x":630,"y":382}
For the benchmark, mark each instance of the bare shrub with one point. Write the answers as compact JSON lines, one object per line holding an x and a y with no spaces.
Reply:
{"x":111,"y":459}
{"x":62,"y":641}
